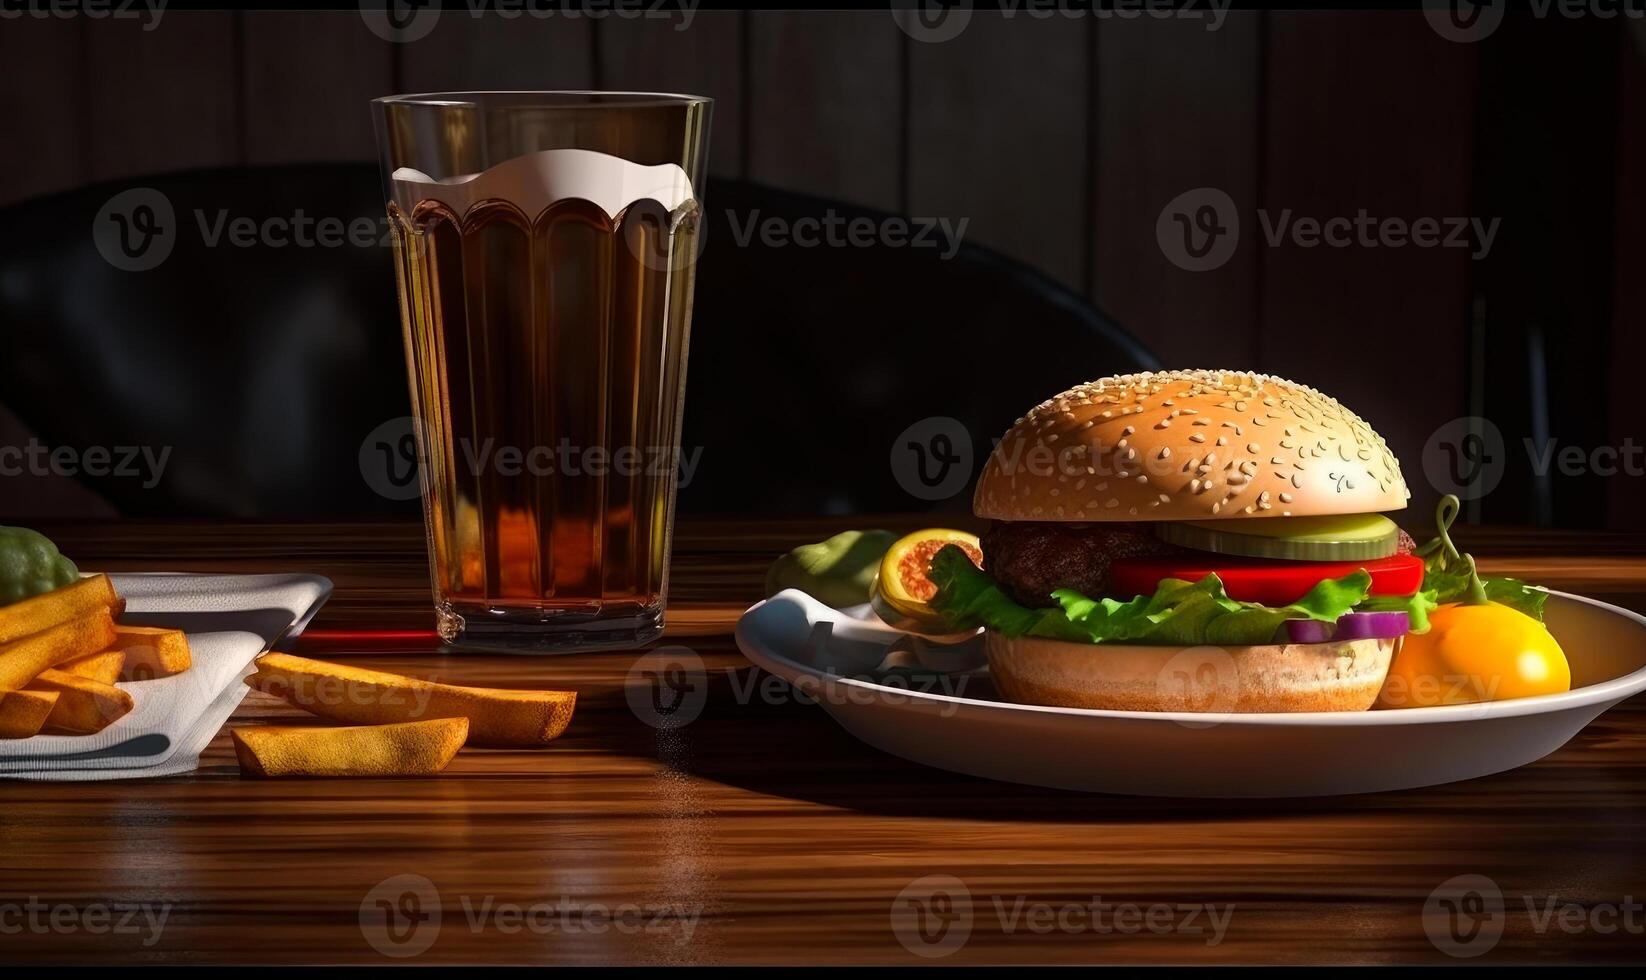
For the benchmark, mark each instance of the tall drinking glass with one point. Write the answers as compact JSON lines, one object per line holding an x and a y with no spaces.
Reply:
{"x":545,"y":245}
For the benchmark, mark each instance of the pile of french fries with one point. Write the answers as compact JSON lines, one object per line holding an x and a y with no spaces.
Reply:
{"x":62,"y":652}
{"x":397,"y":726}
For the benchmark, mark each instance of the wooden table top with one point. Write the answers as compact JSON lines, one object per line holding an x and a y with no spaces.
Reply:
{"x":763,"y":833}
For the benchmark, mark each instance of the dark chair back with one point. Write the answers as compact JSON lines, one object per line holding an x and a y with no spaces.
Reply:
{"x":822,"y":379}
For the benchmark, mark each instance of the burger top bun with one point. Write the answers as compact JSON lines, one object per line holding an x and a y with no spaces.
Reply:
{"x":1188,"y":445}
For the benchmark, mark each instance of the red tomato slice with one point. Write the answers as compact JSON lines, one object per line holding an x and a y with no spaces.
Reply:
{"x":1273,"y":582}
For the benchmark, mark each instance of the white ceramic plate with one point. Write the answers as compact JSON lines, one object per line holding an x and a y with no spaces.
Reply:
{"x":957,"y":721}
{"x":229,"y":620}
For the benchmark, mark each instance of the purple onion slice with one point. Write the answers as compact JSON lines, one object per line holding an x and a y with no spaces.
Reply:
{"x":1351,"y":626}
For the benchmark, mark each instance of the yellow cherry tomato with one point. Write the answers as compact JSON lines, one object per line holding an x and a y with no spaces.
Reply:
{"x":1475,"y":652}
{"x":902,"y":591}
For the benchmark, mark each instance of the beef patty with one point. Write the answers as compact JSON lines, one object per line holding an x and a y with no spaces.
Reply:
{"x":1029,"y":559}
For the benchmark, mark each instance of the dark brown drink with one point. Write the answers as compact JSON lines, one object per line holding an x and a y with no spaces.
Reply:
{"x":547,"y":355}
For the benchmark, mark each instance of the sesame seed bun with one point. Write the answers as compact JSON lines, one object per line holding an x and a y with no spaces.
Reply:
{"x":1342,"y":676}
{"x":1188,"y":445}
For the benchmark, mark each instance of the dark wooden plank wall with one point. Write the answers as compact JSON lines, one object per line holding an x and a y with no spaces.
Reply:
{"x":1628,"y":408}
{"x":1059,"y":140}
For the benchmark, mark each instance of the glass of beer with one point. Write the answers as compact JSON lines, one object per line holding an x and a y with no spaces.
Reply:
{"x":545,"y":247}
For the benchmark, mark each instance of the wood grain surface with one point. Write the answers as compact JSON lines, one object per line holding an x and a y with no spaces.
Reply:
{"x":763,"y":833}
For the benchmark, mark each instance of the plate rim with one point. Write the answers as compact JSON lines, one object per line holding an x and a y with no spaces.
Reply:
{"x":1606,"y":692}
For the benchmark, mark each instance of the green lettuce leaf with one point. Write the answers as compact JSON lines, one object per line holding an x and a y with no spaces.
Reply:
{"x":1515,"y":594}
{"x":1448,"y":581}
{"x":970,"y":598}
{"x":1179,"y":613}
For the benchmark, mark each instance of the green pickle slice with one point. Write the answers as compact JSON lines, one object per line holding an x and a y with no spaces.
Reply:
{"x":1338,"y":537}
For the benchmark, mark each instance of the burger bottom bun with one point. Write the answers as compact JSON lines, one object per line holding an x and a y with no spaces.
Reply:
{"x":1342,"y":676}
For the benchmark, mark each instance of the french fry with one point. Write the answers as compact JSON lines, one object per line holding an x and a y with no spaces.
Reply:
{"x":21,"y":661}
{"x":104,"y":667}
{"x":84,"y":706}
{"x":496,"y":716}
{"x":416,"y":748}
{"x":152,"y":652}
{"x":24,"y":713}
{"x":59,"y":606}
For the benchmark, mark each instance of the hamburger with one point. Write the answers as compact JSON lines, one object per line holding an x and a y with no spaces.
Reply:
{"x":1188,"y":541}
